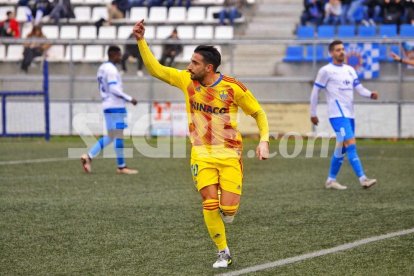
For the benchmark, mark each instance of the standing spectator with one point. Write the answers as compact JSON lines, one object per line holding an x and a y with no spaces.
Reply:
{"x":118,"y":9}
{"x":61,"y":9}
{"x":132,"y":50}
{"x":10,"y":27}
{"x":409,"y":11}
{"x":170,"y":51}
{"x":231,"y":11}
{"x":333,"y":12}
{"x":33,"y":49}
{"x":313,"y":12}
{"x":393,"y":11}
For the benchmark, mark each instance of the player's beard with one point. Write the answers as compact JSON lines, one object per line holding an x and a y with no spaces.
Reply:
{"x":340,"y":58}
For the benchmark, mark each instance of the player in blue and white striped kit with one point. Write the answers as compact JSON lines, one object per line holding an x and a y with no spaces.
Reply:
{"x":339,"y":81}
{"x":113,"y":103}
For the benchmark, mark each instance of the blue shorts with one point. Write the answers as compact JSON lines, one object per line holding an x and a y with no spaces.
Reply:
{"x":344,"y":128}
{"x":115,"y":118}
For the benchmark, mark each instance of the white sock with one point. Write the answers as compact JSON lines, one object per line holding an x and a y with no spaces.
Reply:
{"x":226,"y":250}
{"x":330,"y":179}
{"x":362,"y":178}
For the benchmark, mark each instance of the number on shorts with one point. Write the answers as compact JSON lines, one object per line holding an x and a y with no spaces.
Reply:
{"x":194,"y":169}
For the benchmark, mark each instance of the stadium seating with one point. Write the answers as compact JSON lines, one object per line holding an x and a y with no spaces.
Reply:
{"x":52,"y":32}
{"x":388,"y":30}
{"x":87,"y":32}
{"x":82,"y":13}
{"x":69,"y":32}
{"x":107,"y":32}
{"x":318,"y":55}
{"x":185,"y":32}
{"x":326,"y":31}
{"x":94,"y":53}
{"x":99,"y":12}
{"x":294,"y":54}
{"x":164,"y":31}
{"x":196,"y":14}
{"x":407,"y":30}
{"x":224,"y":32}
{"x":157,"y":15}
{"x":14,"y":53}
{"x":305,"y":32}
{"x":2,"y":52}
{"x":204,"y":32}
{"x":177,"y":15}
{"x":138,"y":13}
{"x":77,"y":53}
{"x":56,"y":53}
{"x":346,"y":31}
{"x":367,"y":31}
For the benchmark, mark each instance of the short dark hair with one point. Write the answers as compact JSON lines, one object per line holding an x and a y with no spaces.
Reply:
{"x":113,"y":49}
{"x":333,"y":44}
{"x":8,"y":13}
{"x":210,"y":54}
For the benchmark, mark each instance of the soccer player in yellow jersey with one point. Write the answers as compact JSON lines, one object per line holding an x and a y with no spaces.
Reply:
{"x":212,"y":100}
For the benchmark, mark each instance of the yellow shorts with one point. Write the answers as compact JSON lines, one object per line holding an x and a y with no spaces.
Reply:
{"x":228,"y":173}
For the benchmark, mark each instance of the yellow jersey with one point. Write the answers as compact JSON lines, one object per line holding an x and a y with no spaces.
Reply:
{"x":211,"y":110}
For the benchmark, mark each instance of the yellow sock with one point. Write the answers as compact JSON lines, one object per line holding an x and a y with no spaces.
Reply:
{"x":214,"y":223}
{"x":229,"y":210}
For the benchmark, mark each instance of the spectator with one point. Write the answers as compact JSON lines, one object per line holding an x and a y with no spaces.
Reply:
{"x":33,"y":49}
{"x":333,"y":12}
{"x":118,"y":9}
{"x":372,"y":12}
{"x":355,"y":8}
{"x":61,"y":9}
{"x":170,"y":51}
{"x":132,"y":50}
{"x":231,"y":11}
{"x":409,"y":11}
{"x":393,"y":11}
{"x":10,"y":27}
{"x":313,"y":12}
{"x":40,"y":9}
{"x":345,"y":4}
{"x":136,"y":3}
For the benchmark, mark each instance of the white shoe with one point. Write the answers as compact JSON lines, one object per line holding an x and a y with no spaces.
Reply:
{"x":223,"y":260}
{"x":86,"y":163}
{"x":126,"y":170}
{"x":334,"y":185}
{"x":368,"y":183}
{"x":140,"y":73}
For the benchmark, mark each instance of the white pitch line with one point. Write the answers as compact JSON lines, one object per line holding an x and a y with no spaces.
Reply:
{"x":317,"y":253}
{"x":45,"y":160}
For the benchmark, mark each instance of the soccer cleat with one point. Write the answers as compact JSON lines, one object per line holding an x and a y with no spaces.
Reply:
{"x":223,"y":260}
{"x":226,"y":219}
{"x":368,"y":183}
{"x":86,"y":163}
{"x":334,"y":185}
{"x":126,"y":170}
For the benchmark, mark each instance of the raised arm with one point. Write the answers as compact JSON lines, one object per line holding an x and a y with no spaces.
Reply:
{"x":164,"y":73}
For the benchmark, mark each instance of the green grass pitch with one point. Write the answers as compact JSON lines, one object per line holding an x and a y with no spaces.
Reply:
{"x":55,"y":219}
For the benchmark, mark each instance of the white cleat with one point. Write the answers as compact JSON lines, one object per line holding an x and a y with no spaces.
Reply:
{"x":223,"y":260}
{"x":126,"y":170}
{"x":86,"y":163}
{"x":368,"y":183}
{"x":334,"y":185}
